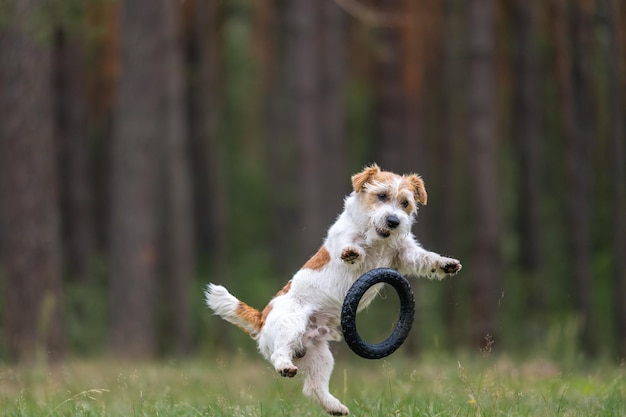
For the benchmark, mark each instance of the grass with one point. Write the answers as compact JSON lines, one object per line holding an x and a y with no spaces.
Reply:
{"x":438,"y":386}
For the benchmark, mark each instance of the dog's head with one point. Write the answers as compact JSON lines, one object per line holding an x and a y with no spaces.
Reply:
{"x":389,"y":200}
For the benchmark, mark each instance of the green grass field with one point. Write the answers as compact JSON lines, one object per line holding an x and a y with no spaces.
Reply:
{"x":439,"y":386}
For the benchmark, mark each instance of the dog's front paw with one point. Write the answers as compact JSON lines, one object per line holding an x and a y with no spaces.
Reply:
{"x":340,"y":411}
{"x":335,"y":408}
{"x":350,"y":254}
{"x":289,"y":372}
{"x":450,"y":266}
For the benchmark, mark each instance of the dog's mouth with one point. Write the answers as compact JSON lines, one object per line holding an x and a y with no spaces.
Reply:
{"x":385,"y":233}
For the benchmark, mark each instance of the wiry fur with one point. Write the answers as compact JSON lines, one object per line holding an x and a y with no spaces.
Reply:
{"x":373,"y":231}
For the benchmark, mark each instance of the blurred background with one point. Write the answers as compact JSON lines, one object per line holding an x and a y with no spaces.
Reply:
{"x":148,"y":147}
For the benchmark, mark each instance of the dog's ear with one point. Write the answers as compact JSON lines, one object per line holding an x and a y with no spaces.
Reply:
{"x":419,"y":189}
{"x":359,"y":180}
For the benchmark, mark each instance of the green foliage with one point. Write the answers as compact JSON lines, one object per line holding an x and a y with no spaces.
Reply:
{"x":86,"y":317}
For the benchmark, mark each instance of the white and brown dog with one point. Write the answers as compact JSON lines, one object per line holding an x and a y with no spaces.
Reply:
{"x":373,"y":231}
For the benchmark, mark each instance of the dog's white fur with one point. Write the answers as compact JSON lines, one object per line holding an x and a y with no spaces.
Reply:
{"x":373,"y":231}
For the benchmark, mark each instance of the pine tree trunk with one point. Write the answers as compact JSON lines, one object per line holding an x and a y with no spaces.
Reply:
{"x":449,"y":147}
{"x":281,"y":146}
{"x":334,"y":176}
{"x":481,"y":124}
{"x":572,"y":35}
{"x":29,"y":202}
{"x":73,"y":134}
{"x":135,"y":194}
{"x":303,"y":83}
{"x":527,"y":113}
{"x":615,"y":82}
{"x":390,"y":100}
{"x":179,"y":241}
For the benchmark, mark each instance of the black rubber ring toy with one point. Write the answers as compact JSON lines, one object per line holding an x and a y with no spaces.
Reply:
{"x":405,"y":319}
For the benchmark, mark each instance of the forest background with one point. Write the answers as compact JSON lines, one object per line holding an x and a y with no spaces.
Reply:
{"x":148,"y":147}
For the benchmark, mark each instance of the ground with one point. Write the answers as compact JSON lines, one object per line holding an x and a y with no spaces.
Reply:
{"x":397,"y":386}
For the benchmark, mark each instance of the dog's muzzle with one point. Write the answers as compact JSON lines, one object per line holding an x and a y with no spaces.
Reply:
{"x":392,"y":222}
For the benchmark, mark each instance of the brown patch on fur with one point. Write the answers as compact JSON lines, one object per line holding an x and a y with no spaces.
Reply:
{"x":255,"y":317}
{"x":416,"y":184}
{"x":373,"y":173}
{"x":285,"y":289}
{"x":359,"y":180}
{"x":319,"y":260}
{"x":268,"y":307}
{"x":251,"y":315}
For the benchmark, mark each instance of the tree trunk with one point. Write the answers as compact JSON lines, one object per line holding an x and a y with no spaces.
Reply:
{"x":334,"y":177}
{"x":572,"y":36}
{"x":285,"y":221}
{"x":616,"y":87}
{"x":390,"y":101}
{"x":448,"y":150}
{"x":179,"y":243}
{"x":73,"y":135}
{"x":135,"y":197}
{"x":303,"y":84}
{"x":485,"y":289}
{"x":29,"y":203}
{"x":206,"y":96}
{"x":527,"y":125}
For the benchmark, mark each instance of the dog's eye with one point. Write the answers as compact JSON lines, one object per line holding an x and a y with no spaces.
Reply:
{"x":382,"y":196}
{"x":405,"y":203}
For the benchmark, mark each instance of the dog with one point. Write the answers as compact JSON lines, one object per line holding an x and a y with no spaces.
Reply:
{"x":374,"y":230}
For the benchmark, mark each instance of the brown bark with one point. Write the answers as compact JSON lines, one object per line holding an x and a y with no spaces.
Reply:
{"x":281,"y":147}
{"x":572,"y":38}
{"x":73,"y":135}
{"x":448,"y":150}
{"x":30,"y":238}
{"x":303,"y":84}
{"x":527,"y":127}
{"x":137,"y":146}
{"x":332,"y":170}
{"x":481,"y":123}
{"x":390,"y":101}
{"x":178,"y":243}
{"x":617,"y":92}
{"x":206,"y":97}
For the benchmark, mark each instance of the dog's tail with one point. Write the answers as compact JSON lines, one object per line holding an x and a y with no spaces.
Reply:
{"x":225,"y":305}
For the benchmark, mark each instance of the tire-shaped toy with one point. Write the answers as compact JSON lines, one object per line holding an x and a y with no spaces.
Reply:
{"x":351,"y":304}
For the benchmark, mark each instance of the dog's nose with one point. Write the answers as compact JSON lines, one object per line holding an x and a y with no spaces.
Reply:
{"x":393,"y":221}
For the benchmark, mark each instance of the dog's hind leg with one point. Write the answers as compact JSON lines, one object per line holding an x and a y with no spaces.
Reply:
{"x":281,"y":339}
{"x":317,"y":366}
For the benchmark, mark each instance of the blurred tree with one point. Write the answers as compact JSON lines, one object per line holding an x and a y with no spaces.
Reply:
{"x":617,"y":90}
{"x":332,"y":172}
{"x":205,"y":39}
{"x":206,"y":90}
{"x":102,"y":64}
{"x":72,"y":134}
{"x":136,"y":149}
{"x":527,"y":112}
{"x":149,"y":166}
{"x":303,"y":53}
{"x":308,"y":118}
{"x":573,"y":44}
{"x":29,"y":201}
{"x":449,"y":147}
{"x":281,"y":148}
{"x":483,"y":175}
{"x":394,"y":147}
{"x":179,"y":251}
